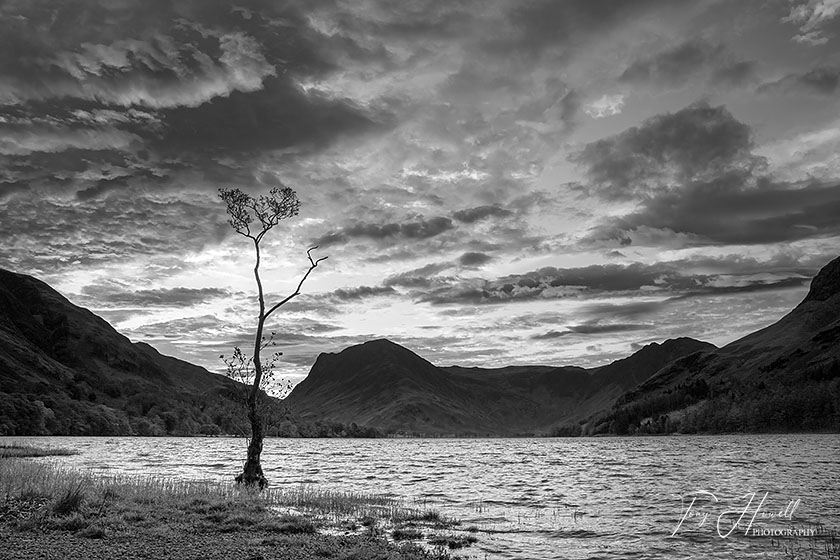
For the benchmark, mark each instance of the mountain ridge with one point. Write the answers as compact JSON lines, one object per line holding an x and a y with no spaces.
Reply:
{"x":64,"y":370}
{"x":382,"y":384}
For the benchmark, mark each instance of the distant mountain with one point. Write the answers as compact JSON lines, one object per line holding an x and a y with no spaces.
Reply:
{"x":63,"y":370}
{"x":780,"y":378}
{"x":384,"y":385}
{"x":784,"y":377}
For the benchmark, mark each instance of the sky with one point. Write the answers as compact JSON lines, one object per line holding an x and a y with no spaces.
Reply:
{"x":494,"y":182}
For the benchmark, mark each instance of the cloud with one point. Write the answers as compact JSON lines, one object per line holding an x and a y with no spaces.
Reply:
{"x":45,"y":235}
{"x":474,"y":259}
{"x":722,"y":211}
{"x":677,"y":65}
{"x":672,"y":66}
{"x":471,"y":215}
{"x":115,"y":295}
{"x":360,"y":292}
{"x":664,"y":280}
{"x":817,"y":81}
{"x":418,"y":277}
{"x":736,"y":74}
{"x":592,"y":328}
{"x":605,"y":106}
{"x":623,"y":310}
{"x":24,"y":141}
{"x":812,"y":17}
{"x":418,"y":229}
{"x":668,"y":151}
{"x":544,"y":23}
{"x":170,"y":88}
{"x":695,"y":178}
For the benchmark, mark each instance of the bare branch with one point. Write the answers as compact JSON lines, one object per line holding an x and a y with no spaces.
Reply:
{"x":313,"y":264}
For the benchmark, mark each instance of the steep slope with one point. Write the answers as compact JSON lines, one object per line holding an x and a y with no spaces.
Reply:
{"x":384,"y":385}
{"x":783,"y":377}
{"x":63,"y":370}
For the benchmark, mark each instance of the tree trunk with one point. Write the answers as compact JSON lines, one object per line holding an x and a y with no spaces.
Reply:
{"x":252,"y":473}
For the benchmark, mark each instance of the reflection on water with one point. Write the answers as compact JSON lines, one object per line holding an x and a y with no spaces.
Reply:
{"x":543,"y":498}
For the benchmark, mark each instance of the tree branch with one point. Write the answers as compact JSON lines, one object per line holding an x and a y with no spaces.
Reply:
{"x":313,"y":264}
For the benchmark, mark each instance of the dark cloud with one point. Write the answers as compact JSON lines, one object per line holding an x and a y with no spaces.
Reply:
{"x":163,"y":87}
{"x":694,"y":174}
{"x":675,"y":66}
{"x":102,"y":186}
{"x":361,"y":292}
{"x":668,"y":151}
{"x":175,"y":327}
{"x":116,"y":296}
{"x":418,"y":277}
{"x":546,"y":23}
{"x":418,"y":229}
{"x":672,"y":279}
{"x":551,"y":282}
{"x":279,"y":115}
{"x":817,"y":81}
{"x":736,"y":74}
{"x":622,"y":310}
{"x":474,"y":259}
{"x":725,"y":212}
{"x":471,"y":215}
{"x":592,"y":328}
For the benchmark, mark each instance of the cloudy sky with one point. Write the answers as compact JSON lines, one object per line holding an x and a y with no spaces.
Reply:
{"x":494,"y":182}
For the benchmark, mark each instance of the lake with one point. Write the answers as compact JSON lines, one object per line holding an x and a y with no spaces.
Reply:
{"x":544,"y":498}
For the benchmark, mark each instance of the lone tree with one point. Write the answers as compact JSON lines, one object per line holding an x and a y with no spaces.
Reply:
{"x":253,"y":218}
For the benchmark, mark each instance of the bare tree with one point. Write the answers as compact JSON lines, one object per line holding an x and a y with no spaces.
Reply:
{"x":243,"y":209}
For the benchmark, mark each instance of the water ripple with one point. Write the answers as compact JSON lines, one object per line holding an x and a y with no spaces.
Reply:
{"x":605,"y":498}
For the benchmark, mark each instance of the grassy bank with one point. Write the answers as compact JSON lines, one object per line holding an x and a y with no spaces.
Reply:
{"x":51,"y":511}
{"x":17,"y":450}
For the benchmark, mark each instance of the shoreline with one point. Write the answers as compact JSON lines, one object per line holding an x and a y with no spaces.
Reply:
{"x":51,"y":511}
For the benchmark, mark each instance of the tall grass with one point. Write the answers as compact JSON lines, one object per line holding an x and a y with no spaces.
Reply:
{"x":67,"y":488}
{"x":50,"y":496}
{"x":18,"y":450}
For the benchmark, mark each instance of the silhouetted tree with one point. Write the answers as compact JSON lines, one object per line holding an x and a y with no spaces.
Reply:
{"x":263,"y":214}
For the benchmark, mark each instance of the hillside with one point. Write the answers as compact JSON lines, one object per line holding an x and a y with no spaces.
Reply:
{"x":384,"y":385}
{"x":63,"y":370}
{"x":780,"y":378}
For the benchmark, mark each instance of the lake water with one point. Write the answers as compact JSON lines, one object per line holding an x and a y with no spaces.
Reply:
{"x":605,"y":498}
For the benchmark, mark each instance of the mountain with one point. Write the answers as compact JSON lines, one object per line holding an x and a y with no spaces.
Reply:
{"x":783,"y":377}
{"x":384,"y":385}
{"x":63,"y":370}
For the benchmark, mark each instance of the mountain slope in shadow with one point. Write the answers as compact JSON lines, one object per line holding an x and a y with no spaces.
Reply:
{"x":64,"y":370}
{"x":384,"y":385}
{"x":785,"y":377}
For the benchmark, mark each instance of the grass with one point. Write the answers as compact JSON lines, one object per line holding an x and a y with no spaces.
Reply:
{"x":406,"y":534}
{"x":452,"y":541}
{"x":16,"y":450}
{"x":103,"y":512}
{"x":822,"y":544}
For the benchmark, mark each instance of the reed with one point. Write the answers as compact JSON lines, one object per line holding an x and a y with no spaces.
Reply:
{"x":47,"y":496}
{"x":20,"y":450}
